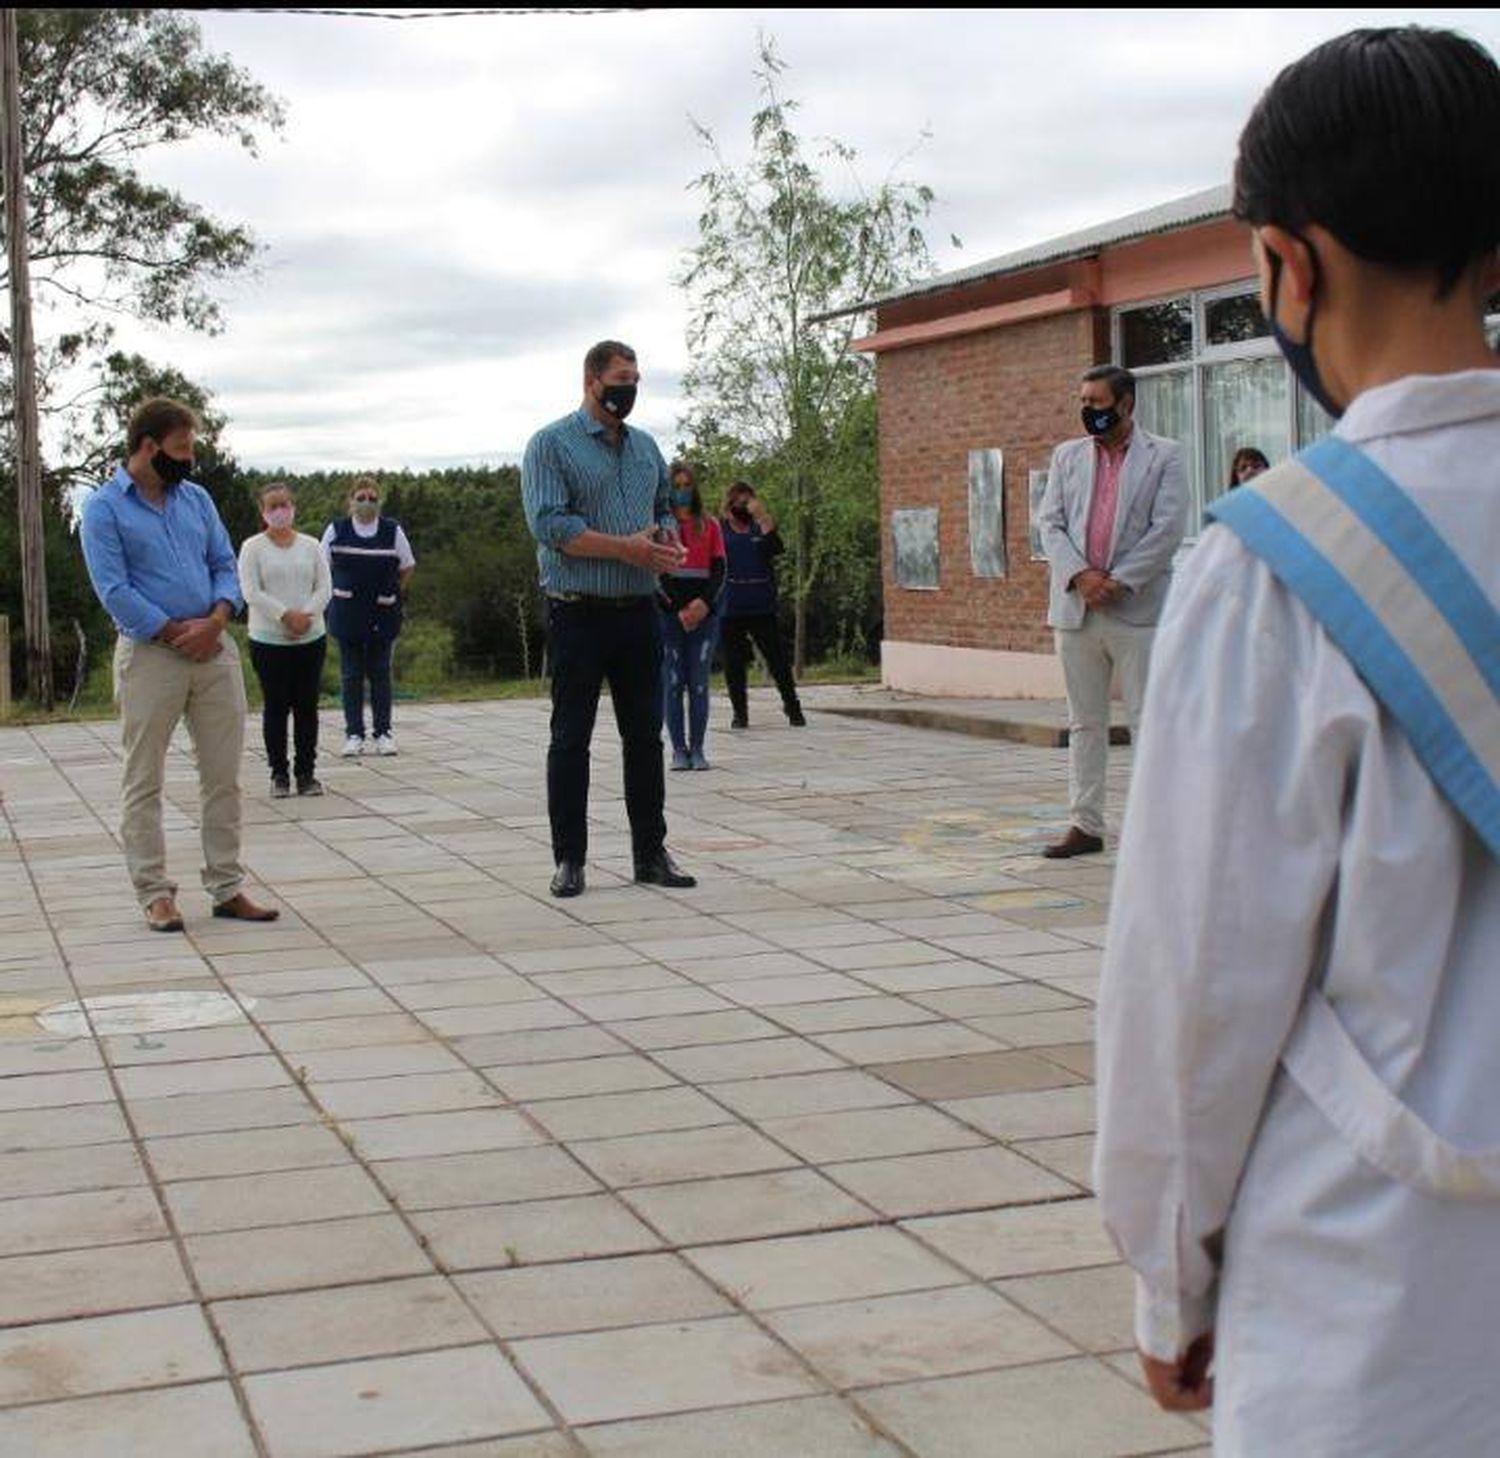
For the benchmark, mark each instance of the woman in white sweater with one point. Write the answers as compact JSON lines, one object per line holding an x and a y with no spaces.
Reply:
{"x":285,"y":580}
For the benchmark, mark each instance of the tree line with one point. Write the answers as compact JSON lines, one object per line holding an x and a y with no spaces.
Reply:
{"x":784,"y":254}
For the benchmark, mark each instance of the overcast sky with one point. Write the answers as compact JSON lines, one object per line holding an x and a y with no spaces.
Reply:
{"x":457,"y":208}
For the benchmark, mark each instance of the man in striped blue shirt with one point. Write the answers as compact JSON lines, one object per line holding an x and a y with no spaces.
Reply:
{"x":598,"y":503}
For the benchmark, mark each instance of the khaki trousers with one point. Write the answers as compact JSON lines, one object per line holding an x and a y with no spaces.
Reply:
{"x":156,"y":687}
{"x":1091,"y":656}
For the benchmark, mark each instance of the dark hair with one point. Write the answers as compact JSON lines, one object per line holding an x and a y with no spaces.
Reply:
{"x":733,"y":490}
{"x":268,"y":487}
{"x":1386,"y":138}
{"x":686,"y":468}
{"x":157,"y":418}
{"x":598,"y":359}
{"x":1121,"y":381}
{"x":1241,"y":456}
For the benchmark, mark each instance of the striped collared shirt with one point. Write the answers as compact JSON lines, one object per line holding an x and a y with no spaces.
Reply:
{"x":573,"y":480}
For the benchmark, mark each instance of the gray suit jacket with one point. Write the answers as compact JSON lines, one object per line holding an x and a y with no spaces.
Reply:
{"x":1150,"y":520}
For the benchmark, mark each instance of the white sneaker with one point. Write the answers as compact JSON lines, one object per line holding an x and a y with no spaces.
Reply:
{"x":352,"y":745}
{"x":386,"y":744}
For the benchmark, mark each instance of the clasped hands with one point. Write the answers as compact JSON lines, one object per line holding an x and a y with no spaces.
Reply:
{"x":1097,"y":588}
{"x":195,"y":638}
{"x":692,"y":616}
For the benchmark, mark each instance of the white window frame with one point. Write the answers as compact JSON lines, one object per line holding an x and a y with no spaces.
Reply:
{"x":1204,"y":354}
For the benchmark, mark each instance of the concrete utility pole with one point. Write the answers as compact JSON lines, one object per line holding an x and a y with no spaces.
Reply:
{"x":23,"y":372}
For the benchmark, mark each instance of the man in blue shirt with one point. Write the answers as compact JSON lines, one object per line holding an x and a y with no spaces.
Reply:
{"x":598,"y":503}
{"x":162,"y":565}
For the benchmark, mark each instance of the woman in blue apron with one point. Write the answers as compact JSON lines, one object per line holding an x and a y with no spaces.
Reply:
{"x":371,"y":562}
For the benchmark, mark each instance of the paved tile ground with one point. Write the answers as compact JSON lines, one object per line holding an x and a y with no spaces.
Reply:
{"x":792,"y":1164}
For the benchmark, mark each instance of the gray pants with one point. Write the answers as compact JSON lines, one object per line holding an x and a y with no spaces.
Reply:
{"x":156,"y":687}
{"x":1091,"y":655}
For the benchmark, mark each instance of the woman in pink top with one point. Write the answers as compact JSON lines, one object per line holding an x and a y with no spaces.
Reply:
{"x":689,"y":596}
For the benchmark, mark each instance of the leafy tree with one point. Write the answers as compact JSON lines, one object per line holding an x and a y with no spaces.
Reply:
{"x":99,"y":89}
{"x":779,"y":251}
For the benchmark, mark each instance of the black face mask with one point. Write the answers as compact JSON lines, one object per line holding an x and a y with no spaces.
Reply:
{"x":172,"y":471}
{"x":740,"y":512}
{"x":1100,"y":421}
{"x":618,"y":400}
{"x":1300,"y":356}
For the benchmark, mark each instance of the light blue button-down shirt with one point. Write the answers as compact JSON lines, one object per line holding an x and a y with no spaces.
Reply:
{"x":573,"y":479}
{"x":152,"y":563}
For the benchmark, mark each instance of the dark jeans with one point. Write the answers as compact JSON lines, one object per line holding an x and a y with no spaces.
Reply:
{"x":361,"y":659}
{"x":766,"y":632}
{"x":687,"y":666}
{"x":289,"y":675}
{"x":588,"y":646}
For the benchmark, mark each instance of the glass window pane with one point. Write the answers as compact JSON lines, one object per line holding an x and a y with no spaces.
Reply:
{"x":1164,"y":405}
{"x":1244,"y":404}
{"x":1234,"y":319}
{"x":1157,"y":334}
{"x":1313,"y":421}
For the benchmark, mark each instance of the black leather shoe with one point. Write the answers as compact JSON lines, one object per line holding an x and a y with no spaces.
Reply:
{"x":662,"y":870}
{"x":739,"y":722}
{"x":568,"y":880}
{"x":1075,"y":843}
{"x":795,"y":719}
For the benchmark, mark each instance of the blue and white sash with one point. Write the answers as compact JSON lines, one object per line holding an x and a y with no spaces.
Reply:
{"x":1357,"y":551}
{"x":1393,"y":594}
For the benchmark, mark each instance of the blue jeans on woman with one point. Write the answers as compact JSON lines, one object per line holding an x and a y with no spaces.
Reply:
{"x":361,"y":659}
{"x":686,"y":665}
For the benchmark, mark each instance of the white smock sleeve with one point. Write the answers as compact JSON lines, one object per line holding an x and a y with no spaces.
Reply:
{"x":1228,"y":857}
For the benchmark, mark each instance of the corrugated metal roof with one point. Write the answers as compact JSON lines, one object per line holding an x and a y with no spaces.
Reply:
{"x":1196,"y":207}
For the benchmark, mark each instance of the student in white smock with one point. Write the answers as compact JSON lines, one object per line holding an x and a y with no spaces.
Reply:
{"x":1299,"y":1145}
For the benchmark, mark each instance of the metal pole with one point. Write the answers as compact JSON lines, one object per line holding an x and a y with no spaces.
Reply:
{"x":4,"y":667}
{"x":23,"y":370}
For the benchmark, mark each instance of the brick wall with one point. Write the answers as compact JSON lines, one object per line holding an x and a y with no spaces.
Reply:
{"x":1015,"y":388}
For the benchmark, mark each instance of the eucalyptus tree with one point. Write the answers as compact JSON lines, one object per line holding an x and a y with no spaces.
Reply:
{"x":785,"y":240}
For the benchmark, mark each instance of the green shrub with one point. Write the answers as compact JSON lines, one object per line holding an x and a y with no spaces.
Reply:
{"x":424,"y":657}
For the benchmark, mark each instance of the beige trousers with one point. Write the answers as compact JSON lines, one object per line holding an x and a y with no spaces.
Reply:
{"x":156,"y":687}
{"x":1091,"y":656}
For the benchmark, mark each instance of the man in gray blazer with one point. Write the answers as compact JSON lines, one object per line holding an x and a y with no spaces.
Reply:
{"x":1112,"y":518}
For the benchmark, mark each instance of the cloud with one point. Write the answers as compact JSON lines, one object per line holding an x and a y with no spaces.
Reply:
{"x":457,"y":208}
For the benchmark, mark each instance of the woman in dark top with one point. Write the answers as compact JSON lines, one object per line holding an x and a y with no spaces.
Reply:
{"x":751,"y":546}
{"x":689,"y":624}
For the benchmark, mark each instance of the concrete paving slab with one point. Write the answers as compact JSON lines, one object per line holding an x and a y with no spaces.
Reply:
{"x":306,"y":1328}
{"x":641,"y":1370}
{"x":370,"y":1406}
{"x":830,"y":1266}
{"x":824,"y":1426}
{"x":1066,"y":1409}
{"x":905,"y":1337}
{"x":591,"y":1295}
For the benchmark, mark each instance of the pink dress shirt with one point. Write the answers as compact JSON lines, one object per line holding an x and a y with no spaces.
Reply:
{"x":1101,"y":529}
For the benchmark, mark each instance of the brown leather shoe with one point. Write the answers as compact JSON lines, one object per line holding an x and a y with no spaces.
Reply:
{"x":162,"y":915}
{"x":1075,"y":843}
{"x":240,"y":907}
